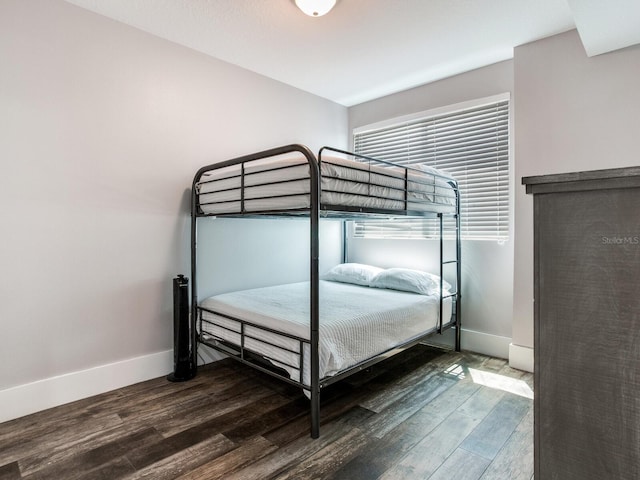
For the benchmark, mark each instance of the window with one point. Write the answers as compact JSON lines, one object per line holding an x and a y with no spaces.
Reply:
{"x":470,"y":143}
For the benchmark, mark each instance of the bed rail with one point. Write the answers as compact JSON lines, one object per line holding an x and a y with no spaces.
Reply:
{"x":241,"y":352}
{"x":282,"y":189}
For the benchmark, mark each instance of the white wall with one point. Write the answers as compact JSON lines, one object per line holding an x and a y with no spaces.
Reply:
{"x":572,"y":113}
{"x":487,"y":286}
{"x":248,"y":242}
{"x":102,"y":127}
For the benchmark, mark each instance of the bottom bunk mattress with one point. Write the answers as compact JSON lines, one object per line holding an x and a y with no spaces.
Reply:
{"x":356,"y":323}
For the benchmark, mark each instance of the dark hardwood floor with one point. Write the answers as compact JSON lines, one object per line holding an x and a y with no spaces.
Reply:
{"x":427,"y":413}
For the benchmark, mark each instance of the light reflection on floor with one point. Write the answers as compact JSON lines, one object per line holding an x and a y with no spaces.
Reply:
{"x":492,"y":380}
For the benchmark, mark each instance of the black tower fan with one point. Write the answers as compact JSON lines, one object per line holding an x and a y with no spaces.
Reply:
{"x":184,"y":358}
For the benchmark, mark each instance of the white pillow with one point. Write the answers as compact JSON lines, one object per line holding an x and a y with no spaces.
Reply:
{"x":409,"y":280}
{"x":355,"y":273}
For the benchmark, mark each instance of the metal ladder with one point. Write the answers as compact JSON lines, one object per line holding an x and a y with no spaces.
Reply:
{"x":456,"y":295}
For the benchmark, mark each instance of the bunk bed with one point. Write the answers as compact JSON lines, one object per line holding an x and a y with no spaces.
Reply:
{"x":281,"y":330}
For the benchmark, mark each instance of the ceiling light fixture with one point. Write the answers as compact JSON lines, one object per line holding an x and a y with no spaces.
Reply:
{"x":315,"y":8}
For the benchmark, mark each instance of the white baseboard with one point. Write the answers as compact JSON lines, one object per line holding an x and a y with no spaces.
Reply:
{"x":521,"y":357}
{"x":472,"y":341}
{"x":36,"y":396}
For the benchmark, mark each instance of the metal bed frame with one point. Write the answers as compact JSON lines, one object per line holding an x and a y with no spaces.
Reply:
{"x":314,"y":213}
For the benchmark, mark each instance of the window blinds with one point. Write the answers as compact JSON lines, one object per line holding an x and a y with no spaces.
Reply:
{"x":470,"y":144}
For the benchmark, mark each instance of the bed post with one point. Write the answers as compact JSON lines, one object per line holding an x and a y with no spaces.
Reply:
{"x":194,"y":282}
{"x":345,"y":242}
{"x":314,"y":225}
{"x":458,"y":271}
{"x":441,"y":233}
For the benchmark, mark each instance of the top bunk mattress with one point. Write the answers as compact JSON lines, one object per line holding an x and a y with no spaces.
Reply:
{"x":356,"y":322}
{"x":283,"y":184}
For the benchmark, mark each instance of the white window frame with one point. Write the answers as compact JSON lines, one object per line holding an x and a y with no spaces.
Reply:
{"x":428,"y":230}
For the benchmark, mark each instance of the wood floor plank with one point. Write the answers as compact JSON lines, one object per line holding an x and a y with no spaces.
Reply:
{"x":137,"y":399}
{"x":71,"y":430}
{"x":114,"y":470}
{"x":399,"y":387}
{"x":193,"y":413}
{"x":324,"y":462}
{"x":448,"y":401}
{"x":407,"y":405}
{"x":334,"y":403}
{"x":232,"y":461}
{"x":62,"y":452}
{"x":76,"y":466}
{"x":461,"y":465}
{"x":46,"y":420}
{"x":141,"y":458}
{"x":427,"y":455}
{"x":491,"y":364}
{"x":185,"y":460}
{"x":515,"y":459}
{"x":481,"y":403}
{"x":292,"y":453}
{"x":392,"y":447}
{"x":494,"y":430}
{"x":156,"y":401}
{"x":382,"y":453}
{"x":262,"y":423}
{"x":436,"y":410}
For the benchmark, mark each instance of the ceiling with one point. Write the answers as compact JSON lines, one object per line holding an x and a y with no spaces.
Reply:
{"x":364,"y":49}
